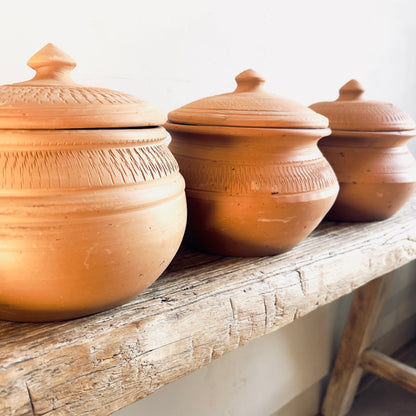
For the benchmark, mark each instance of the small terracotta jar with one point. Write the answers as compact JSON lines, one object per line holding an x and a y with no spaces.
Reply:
{"x":92,"y":205}
{"x":256,"y":182}
{"x":367,"y":149}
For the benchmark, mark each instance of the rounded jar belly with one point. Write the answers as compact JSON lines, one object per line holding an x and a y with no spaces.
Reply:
{"x":252,"y":191}
{"x":376,"y":172}
{"x":88,"y":219}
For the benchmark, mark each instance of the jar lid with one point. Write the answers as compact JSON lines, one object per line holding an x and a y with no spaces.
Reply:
{"x":52,"y":100}
{"x":250,"y":105}
{"x":352,"y":112}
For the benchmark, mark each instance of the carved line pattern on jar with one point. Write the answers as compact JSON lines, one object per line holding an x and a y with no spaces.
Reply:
{"x":279,"y":178}
{"x":84,"y":168}
{"x":372,"y":113}
{"x":63,"y":95}
{"x":69,"y":143}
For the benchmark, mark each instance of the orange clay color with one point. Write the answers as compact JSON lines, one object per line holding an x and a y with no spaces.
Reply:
{"x":367,"y":149}
{"x":89,"y":216}
{"x":256,"y":182}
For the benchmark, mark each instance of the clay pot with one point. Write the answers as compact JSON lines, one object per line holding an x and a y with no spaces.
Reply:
{"x":367,"y":149}
{"x":91,"y":212}
{"x":256,"y":182}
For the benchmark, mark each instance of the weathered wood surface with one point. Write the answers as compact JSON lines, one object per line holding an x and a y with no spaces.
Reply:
{"x":390,"y":369}
{"x":358,"y":334}
{"x":201,"y":308}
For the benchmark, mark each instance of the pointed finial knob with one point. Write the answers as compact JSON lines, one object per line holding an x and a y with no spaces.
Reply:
{"x":249,"y":80}
{"x":52,"y":66}
{"x":352,"y":90}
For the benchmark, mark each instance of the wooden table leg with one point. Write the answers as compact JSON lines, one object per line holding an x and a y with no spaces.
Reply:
{"x":389,"y":369}
{"x":358,"y":334}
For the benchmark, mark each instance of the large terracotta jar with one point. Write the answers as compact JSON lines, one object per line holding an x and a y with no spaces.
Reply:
{"x":367,"y":149}
{"x":256,"y":182}
{"x":92,"y":205}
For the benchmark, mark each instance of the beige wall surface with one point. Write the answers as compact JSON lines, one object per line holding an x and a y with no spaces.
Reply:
{"x":172,"y":52}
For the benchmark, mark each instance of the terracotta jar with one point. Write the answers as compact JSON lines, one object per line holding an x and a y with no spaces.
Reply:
{"x":92,"y":205}
{"x":256,"y":182}
{"x":367,"y":149}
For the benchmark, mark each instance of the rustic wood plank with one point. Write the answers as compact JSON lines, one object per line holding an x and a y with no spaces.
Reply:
{"x":390,"y":369}
{"x":202,"y":307}
{"x":358,"y":333}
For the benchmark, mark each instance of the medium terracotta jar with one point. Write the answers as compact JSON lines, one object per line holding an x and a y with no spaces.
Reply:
{"x":256,"y":182}
{"x":367,"y":149}
{"x":92,"y":205}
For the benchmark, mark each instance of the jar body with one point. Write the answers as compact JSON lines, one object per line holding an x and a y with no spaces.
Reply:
{"x":376,"y":172}
{"x":88,"y":219}
{"x":252,"y":191}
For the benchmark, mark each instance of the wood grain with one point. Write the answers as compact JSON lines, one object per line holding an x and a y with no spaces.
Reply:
{"x":203,"y":307}
{"x":358,"y":333}
{"x":390,"y":369}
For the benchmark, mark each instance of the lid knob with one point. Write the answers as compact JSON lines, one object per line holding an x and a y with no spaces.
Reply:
{"x":249,"y":80}
{"x":52,"y":66}
{"x":351,"y":91}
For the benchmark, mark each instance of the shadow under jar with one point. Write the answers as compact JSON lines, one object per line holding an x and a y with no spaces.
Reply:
{"x":92,"y":204}
{"x":256,"y":182}
{"x":367,"y":149}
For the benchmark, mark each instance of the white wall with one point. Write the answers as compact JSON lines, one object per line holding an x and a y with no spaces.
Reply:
{"x":172,"y":52}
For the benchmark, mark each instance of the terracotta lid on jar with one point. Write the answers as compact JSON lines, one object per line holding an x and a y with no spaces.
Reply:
{"x":52,"y":100}
{"x":352,"y":112}
{"x":250,"y":105}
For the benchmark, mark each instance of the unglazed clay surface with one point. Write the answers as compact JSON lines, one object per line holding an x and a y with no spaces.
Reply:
{"x":249,"y":105}
{"x":352,"y":112}
{"x":88,"y":218}
{"x":256,"y":182}
{"x":85,"y":228}
{"x":368,"y":152}
{"x":252,"y":198}
{"x":52,"y":100}
{"x":254,"y":185}
{"x":376,"y":172}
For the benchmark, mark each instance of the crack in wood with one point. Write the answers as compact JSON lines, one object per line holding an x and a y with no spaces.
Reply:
{"x":32,"y":407}
{"x":266,"y":315}
{"x":233,"y":310}
{"x":302,"y":281}
{"x":211,"y":354}
{"x":192,"y":350}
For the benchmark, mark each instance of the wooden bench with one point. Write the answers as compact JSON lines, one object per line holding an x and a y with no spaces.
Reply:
{"x":355,"y":354}
{"x":201,"y":308}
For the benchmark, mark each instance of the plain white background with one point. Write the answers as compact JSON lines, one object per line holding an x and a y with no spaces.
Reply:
{"x":173,"y":52}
